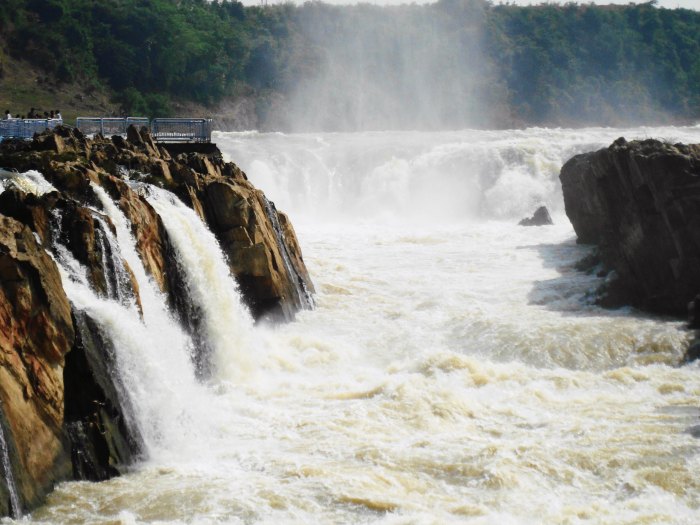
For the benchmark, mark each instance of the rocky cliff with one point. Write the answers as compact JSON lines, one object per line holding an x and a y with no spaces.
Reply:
{"x":61,"y":412}
{"x":640,"y":203}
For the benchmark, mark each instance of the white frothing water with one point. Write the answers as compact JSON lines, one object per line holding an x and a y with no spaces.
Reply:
{"x":209,"y":284}
{"x":419,"y":176}
{"x":29,"y":182}
{"x":453,"y":371}
{"x":118,"y":284}
{"x":154,"y":380}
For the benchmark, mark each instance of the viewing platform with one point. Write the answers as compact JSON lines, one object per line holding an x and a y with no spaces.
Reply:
{"x":17,"y":128}
{"x":163,"y":130}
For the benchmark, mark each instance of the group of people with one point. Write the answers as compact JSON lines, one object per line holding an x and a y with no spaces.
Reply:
{"x":36,"y":114}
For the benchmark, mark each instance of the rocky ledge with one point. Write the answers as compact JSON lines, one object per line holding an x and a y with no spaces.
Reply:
{"x":60,"y":413}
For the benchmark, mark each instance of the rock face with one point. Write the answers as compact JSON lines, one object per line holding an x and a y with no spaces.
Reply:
{"x":541,"y":217}
{"x":61,"y":415}
{"x":37,"y":333}
{"x":640,"y":203}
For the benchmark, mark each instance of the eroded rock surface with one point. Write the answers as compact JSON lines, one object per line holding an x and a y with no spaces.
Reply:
{"x":36,"y":334}
{"x":61,"y":410}
{"x":640,"y":203}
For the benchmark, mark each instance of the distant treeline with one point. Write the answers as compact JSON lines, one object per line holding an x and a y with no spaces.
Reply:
{"x":453,"y":63}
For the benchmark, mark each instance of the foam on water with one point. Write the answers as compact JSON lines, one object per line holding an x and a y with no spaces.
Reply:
{"x":419,"y":176}
{"x":454,"y":371}
{"x":228,"y":323}
{"x":29,"y":182}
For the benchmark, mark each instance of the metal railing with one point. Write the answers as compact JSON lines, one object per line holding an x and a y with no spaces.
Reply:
{"x":108,"y":126}
{"x":17,"y":128}
{"x":162,"y":129}
{"x":181,"y":129}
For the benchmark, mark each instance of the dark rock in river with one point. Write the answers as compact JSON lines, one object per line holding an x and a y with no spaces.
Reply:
{"x":640,"y":203}
{"x":694,"y":313}
{"x":540,"y":218}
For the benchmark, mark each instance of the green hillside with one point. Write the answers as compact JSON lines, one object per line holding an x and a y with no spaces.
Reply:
{"x":455,"y":63}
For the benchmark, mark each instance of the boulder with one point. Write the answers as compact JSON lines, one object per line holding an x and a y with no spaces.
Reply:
{"x":541,"y":217}
{"x":640,"y":203}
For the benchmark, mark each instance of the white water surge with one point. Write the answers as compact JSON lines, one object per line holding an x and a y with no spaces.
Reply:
{"x":453,"y":371}
{"x":227,"y":321}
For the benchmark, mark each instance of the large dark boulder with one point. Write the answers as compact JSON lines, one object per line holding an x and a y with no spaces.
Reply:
{"x":640,"y":203}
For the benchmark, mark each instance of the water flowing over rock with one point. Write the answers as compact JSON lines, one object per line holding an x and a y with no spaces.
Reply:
{"x":639,"y":202}
{"x":65,"y":234}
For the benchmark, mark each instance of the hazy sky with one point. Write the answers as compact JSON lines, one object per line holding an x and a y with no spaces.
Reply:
{"x":688,"y":4}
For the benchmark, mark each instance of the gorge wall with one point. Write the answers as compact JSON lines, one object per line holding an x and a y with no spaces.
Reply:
{"x":640,"y":203}
{"x":64,"y":413}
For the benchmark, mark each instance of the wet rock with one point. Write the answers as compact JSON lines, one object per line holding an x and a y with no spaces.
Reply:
{"x":62,"y":412}
{"x":694,"y":431}
{"x":694,"y":313}
{"x":37,"y":332}
{"x":259,"y":250}
{"x":638,"y":201}
{"x":541,"y":217}
{"x":693,"y":352}
{"x":56,"y":219}
{"x":102,"y":442}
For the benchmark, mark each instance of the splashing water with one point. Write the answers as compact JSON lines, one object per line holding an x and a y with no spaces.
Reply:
{"x":209,"y":284}
{"x":454,"y":371}
{"x":29,"y":182}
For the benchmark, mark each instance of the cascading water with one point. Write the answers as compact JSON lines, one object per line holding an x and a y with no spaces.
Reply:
{"x":418,"y":177}
{"x":454,"y":371}
{"x":226,"y":322}
{"x":29,"y":182}
{"x":15,"y":505}
{"x":116,"y":275}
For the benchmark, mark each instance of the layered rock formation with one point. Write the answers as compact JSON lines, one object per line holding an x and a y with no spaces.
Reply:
{"x":640,"y":203}
{"x":61,"y":413}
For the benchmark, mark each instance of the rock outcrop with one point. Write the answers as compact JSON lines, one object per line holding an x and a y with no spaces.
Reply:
{"x":61,"y":415}
{"x":37,"y":333}
{"x":640,"y":203}
{"x":541,"y":217}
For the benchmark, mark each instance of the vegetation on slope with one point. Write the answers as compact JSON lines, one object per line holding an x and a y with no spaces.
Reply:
{"x":453,"y":63}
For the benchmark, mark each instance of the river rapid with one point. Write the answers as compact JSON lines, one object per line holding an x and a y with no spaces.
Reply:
{"x":455,"y":369}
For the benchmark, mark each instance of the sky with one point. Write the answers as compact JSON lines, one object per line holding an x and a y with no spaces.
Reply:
{"x":671,"y":4}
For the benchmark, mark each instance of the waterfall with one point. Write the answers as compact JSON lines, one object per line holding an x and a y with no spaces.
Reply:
{"x":15,"y":505}
{"x":226,"y":322}
{"x":29,"y":182}
{"x":155,"y":312}
{"x":117,"y":277}
{"x":152,"y":354}
{"x":147,"y":354}
{"x":421,"y":177}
